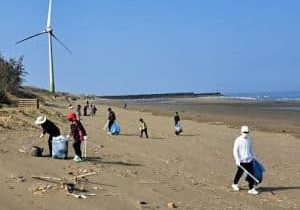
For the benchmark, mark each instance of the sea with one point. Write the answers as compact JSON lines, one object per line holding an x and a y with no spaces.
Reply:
{"x":267,"y":96}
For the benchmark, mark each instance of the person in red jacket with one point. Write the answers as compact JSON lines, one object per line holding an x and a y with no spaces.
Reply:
{"x":79,"y":134}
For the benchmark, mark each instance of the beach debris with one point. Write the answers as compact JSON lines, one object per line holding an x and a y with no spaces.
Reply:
{"x":41,"y":189}
{"x":81,"y":195}
{"x":98,"y":188}
{"x":171,"y":205}
{"x":23,"y":150}
{"x":70,"y":185}
{"x":149,"y":182}
{"x":19,"y":178}
{"x":142,"y":204}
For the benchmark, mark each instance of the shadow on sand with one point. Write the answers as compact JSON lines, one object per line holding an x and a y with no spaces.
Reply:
{"x":128,"y":134}
{"x":274,"y":189}
{"x":97,"y":160}
{"x":137,"y":135}
{"x":189,"y":135}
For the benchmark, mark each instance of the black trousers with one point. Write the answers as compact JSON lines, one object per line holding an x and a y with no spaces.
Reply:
{"x":144,"y":131}
{"x":240,"y":171}
{"x":110,"y":123}
{"x":77,"y":148}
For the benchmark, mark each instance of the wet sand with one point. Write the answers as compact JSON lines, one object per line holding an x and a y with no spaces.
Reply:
{"x":270,"y":116}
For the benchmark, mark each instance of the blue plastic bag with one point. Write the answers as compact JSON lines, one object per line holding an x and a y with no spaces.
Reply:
{"x":59,"y":147}
{"x":115,"y":129}
{"x":258,"y":171}
{"x":178,"y":127}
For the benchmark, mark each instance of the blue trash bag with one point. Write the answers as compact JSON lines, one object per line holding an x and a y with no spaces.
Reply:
{"x":178,"y":127}
{"x":59,"y":147}
{"x":115,"y":129}
{"x":258,"y":170}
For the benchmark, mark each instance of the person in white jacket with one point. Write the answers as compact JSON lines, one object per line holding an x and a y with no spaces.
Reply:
{"x":243,"y":155}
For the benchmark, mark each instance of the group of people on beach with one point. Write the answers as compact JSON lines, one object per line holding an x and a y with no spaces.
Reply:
{"x":242,"y":150}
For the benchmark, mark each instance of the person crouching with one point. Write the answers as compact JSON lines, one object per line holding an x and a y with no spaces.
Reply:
{"x":79,"y":134}
{"x":48,"y":127}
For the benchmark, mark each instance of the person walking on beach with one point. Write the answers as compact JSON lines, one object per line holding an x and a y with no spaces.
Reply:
{"x":93,"y":110}
{"x":85,"y":110}
{"x":178,"y":128}
{"x":176,"y":118}
{"x":111,"y":118}
{"x":244,"y":156}
{"x":143,"y":128}
{"x":48,"y":127}
{"x":78,"y":112}
{"x":78,"y":133}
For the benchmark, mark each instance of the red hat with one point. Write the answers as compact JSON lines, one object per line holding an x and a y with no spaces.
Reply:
{"x":72,"y":116}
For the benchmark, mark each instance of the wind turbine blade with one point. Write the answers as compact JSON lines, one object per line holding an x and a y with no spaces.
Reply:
{"x":61,"y":43}
{"x":30,"y":37}
{"x":49,"y":14}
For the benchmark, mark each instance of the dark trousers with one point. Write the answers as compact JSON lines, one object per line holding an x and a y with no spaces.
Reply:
{"x":110,"y":123}
{"x":144,"y":131}
{"x":240,"y":171}
{"x":77,"y":148}
{"x":50,"y":145}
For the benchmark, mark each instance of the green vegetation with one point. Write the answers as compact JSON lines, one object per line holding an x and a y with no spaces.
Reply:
{"x":12,"y":73}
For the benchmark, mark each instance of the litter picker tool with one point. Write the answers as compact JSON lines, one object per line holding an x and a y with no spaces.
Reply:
{"x":84,"y":148}
{"x":247,"y":172}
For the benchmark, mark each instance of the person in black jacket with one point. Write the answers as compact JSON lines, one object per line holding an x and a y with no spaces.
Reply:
{"x":48,"y":127}
{"x":111,"y":118}
{"x":176,"y":118}
{"x":178,"y":128}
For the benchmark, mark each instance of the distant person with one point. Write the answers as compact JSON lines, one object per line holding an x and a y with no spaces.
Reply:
{"x":125,"y":105}
{"x":143,"y":128}
{"x":48,"y":127}
{"x":85,"y":110}
{"x":178,"y":127}
{"x":176,"y":118}
{"x":78,"y":112}
{"x":78,"y":133}
{"x":111,"y":118}
{"x":93,"y":110}
{"x":244,"y":156}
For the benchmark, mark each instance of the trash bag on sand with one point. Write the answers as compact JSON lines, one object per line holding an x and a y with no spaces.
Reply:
{"x":115,"y":129}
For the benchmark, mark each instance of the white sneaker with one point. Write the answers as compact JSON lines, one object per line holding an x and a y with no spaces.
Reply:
{"x":253,"y":191}
{"x":235,"y":187}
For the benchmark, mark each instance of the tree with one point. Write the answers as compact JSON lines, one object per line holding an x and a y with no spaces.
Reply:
{"x":12,"y":73}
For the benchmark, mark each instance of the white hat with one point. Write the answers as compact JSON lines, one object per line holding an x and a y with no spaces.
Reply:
{"x":244,"y":129}
{"x":40,"y":120}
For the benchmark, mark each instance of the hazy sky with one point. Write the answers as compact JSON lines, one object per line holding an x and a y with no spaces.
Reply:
{"x":140,"y":46}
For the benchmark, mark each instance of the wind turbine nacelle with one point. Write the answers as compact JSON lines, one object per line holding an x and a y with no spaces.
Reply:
{"x":48,"y":29}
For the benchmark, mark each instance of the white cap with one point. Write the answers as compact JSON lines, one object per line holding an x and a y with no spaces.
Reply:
{"x":244,"y":129}
{"x":40,"y":120}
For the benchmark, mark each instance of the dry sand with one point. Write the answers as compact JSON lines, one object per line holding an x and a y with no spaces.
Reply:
{"x":194,"y":170}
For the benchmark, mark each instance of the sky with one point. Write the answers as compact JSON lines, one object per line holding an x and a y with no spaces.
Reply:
{"x":158,"y":46}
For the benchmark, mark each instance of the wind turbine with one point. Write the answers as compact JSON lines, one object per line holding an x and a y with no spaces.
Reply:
{"x":49,"y":30}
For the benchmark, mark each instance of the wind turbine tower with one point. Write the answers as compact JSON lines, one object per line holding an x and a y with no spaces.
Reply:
{"x":49,"y":30}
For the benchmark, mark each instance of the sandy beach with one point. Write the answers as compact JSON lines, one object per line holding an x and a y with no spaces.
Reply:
{"x":193,"y":170}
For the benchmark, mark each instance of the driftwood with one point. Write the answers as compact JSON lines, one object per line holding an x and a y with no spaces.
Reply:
{"x":47,"y":178}
{"x":84,"y":175}
{"x":81,"y":195}
{"x":150,"y":182}
{"x":68,"y":184}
